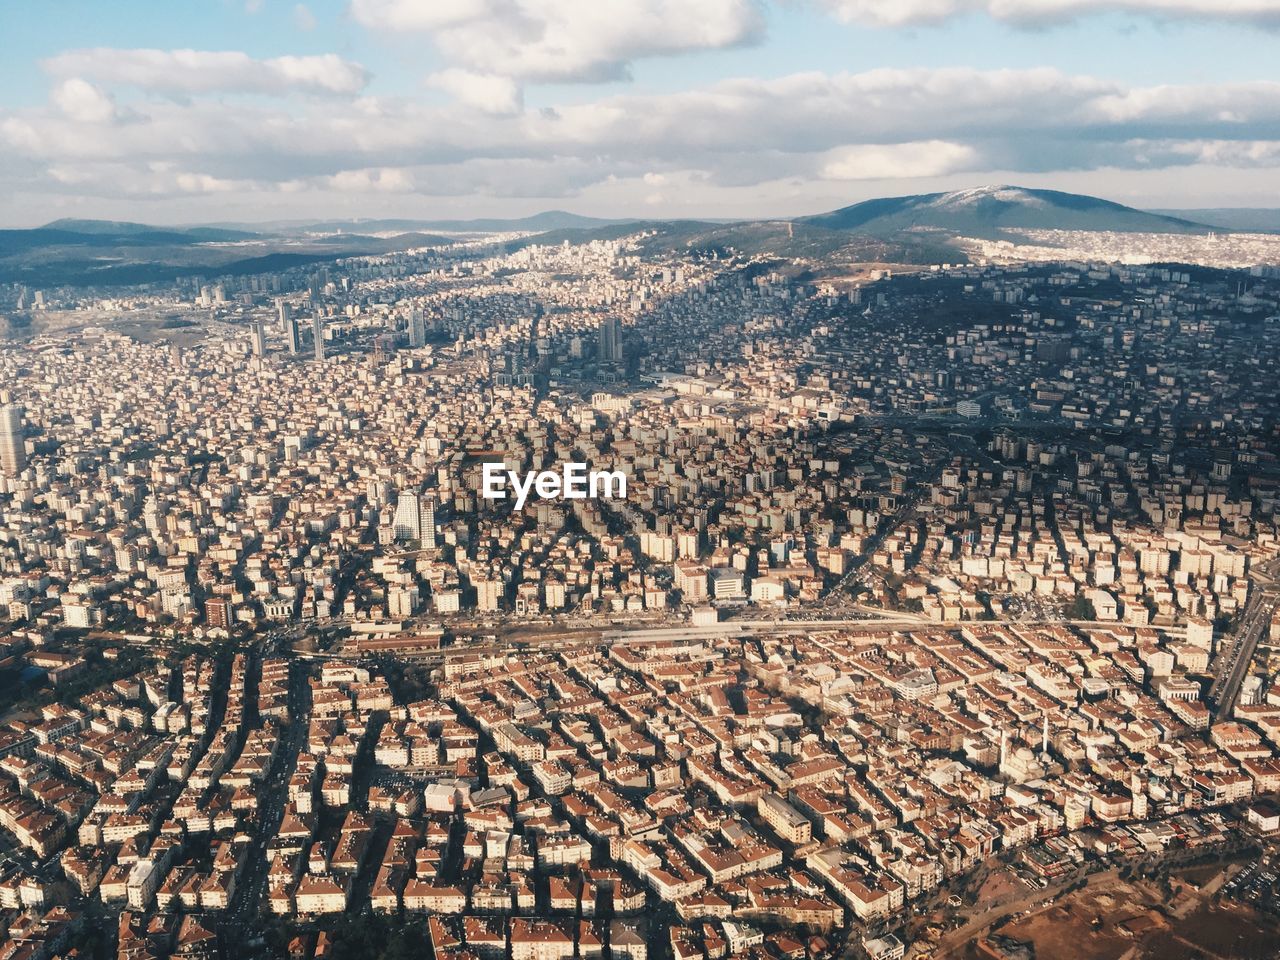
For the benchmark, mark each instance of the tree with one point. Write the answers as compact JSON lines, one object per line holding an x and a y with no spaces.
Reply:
{"x":1082,"y":608}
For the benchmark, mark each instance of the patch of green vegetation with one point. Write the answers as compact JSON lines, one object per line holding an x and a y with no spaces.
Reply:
{"x":1082,"y":609}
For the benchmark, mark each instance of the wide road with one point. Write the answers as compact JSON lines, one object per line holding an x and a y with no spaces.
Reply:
{"x":563,"y":639}
{"x":1233,"y":663}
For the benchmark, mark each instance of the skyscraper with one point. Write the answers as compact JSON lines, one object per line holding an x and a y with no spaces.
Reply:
{"x":408,"y":520}
{"x":285,"y":313}
{"x":417,"y":328}
{"x":13,"y":450}
{"x":610,"y":340}
{"x":317,"y":334}
{"x":294,"y":334}
{"x":259,"y":337}
{"x":415,"y":518}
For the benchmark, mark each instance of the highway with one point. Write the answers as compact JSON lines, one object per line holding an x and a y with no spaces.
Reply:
{"x":1233,"y":663}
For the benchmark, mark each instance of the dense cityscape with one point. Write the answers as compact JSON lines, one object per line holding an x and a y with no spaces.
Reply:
{"x":938,"y":601}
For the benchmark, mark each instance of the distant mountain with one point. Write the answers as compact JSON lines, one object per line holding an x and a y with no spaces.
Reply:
{"x":919,"y":229}
{"x":677,"y":230}
{"x":116,"y":227}
{"x":987,"y":212}
{"x":1243,"y":219}
{"x":119,"y":230}
{"x":783,"y":239}
{"x":104,"y":237}
{"x":104,"y":252}
{"x":538,"y":223}
{"x":361,"y":243}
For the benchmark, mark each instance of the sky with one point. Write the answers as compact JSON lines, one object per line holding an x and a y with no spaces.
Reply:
{"x":208,"y":111}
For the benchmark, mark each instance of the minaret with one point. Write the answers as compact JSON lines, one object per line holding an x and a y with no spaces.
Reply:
{"x":1044,"y":736}
{"x":1004,"y":747}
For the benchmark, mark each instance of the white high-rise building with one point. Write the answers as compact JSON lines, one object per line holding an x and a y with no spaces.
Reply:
{"x":408,"y":519}
{"x":13,"y":449}
{"x":415,"y":518}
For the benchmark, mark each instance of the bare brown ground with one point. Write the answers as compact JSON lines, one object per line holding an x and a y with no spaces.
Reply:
{"x":1136,"y":921}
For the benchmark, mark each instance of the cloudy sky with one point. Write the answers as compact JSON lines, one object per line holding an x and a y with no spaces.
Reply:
{"x":217,"y":110}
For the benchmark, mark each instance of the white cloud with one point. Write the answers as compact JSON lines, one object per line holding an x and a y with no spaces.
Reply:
{"x":72,"y":174}
{"x":808,"y":112}
{"x":740,"y":130}
{"x":488,"y":93}
{"x":786,"y":140}
{"x":894,"y":13}
{"x":303,"y":18}
{"x":149,"y":180}
{"x":929,"y":158}
{"x":1236,"y":154}
{"x":1237,"y":105}
{"x":565,"y":40}
{"x":209,"y":71}
{"x":383,"y":180}
{"x":421,"y":14}
{"x":203,"y":183}
{"x":82,"y":102}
